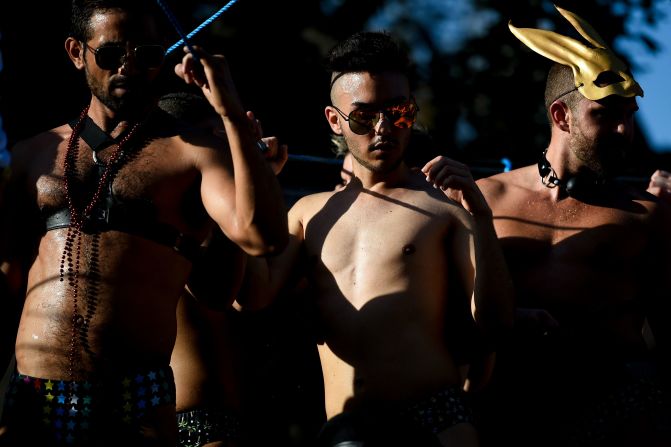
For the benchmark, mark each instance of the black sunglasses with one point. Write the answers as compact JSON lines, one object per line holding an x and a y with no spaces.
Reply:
{"x":111,"y":57}
{"x":362,"y":121}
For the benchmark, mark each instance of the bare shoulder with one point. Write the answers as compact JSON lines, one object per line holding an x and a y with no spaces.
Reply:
{"x":36,"y":145}
{"x":307,"y":206}
{"x":200,"y":148}
{"x":496,"y":186}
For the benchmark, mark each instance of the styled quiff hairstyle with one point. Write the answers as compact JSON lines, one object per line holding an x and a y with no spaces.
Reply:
{"x":372,"y":52}
{"x":560,"y":84}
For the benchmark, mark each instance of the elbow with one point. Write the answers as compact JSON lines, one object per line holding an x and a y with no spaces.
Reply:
{"x":261,"y":236}
{"x":266,"y":242}
{"x":277,"y":242}
{"x":252,"y":304}
{"x":265,"y":248}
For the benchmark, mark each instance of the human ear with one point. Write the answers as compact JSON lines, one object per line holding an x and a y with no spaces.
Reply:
{"x":561,"y":115}
{"x":75,"y":52}
{"x":333,"y":120}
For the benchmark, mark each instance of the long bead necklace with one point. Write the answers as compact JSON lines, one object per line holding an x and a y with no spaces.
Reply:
{"x":78,"y":218}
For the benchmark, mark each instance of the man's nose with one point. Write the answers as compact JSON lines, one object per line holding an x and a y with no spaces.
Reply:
{"x":128,"y":63}
{"x":383,"y":122}
{"x":625,"y":128}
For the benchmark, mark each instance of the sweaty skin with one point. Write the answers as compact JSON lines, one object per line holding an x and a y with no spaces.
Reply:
{"x":133,"y":316}
{"x":387,"y":256}
{"x":378,"y":301}
{"x":591,"y":300}
{"x":129,"y":286}
{"x":592,"y":251}
{"x":127,"y":267}
{"x":592,"y":247}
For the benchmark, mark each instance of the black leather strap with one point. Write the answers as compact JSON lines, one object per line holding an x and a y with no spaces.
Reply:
{"x":107,"y":220}
{"x":94,"y":136}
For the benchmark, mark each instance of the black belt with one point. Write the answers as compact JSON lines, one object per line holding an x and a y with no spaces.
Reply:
{"x":107,"y":219}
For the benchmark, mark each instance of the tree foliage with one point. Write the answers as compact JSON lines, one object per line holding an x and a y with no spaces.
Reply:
{"x":481,"y":98}
{"x":488,"y":95}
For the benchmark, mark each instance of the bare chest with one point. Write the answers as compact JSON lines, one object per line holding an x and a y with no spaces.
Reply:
{"x":149,"y":172}
{"x":557,"y":223}
{"x":377,"y":244}
{"x":574,"y":247}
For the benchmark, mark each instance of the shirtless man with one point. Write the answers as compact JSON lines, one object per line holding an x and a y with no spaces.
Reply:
{"x":127,"y":203}
{"x":584,"y":255}
{"x":205,"y":360}
{"x":392,"y":261}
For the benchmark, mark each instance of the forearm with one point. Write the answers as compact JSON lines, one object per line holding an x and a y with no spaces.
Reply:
{"x":266,"y":277}
{"x":259,"y":204}
{"x":258,"y":289}
{"x":493,"y":289}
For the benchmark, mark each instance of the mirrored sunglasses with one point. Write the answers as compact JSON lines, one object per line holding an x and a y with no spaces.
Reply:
{"x":111,"y":57}
{"x":362,"y":121}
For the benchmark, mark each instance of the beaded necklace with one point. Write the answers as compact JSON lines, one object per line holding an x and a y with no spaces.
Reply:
{"x":78,"y":219}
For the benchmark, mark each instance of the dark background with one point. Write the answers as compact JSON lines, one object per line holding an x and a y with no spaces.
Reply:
{"x":493,"y":83}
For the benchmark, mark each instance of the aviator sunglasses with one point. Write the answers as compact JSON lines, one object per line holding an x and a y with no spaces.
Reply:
{"x":362,"y":121}
{"x":111,"y":57}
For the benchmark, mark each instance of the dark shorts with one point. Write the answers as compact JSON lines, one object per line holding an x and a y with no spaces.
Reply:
{"x":561,"y":404}
{"x":76,"y":413}
{"x":414,"y":423}
{"x":600,"y":417}
{"x":202,"y":426}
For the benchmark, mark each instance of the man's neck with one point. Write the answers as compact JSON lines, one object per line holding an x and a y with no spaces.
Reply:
{"x":114,"y":123}
{"x":381,"y":180}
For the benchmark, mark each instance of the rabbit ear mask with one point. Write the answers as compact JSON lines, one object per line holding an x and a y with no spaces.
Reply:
{"x":597,"y":71}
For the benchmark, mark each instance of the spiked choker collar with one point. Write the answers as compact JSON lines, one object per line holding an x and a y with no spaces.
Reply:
{"x":548,"y":175}
{"x":577,"y":185}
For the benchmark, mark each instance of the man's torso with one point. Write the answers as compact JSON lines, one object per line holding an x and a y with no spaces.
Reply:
{"x":585,"y":263}
{"x":380,"y":262}
{"x":130,"y":284}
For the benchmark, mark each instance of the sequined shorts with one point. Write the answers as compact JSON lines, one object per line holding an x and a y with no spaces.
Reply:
{"x":413,"y":423}
{"x":440,"y":411}
{"x":75,"y":413}
{"x":202,"y":426}
{"x":637,"y":399}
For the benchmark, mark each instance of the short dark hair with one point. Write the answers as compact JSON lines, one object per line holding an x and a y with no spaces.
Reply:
{"x":186,"y":106}
{"x":372,"y":52}
{"x":561,"y":84}
{"x":83,"y":10}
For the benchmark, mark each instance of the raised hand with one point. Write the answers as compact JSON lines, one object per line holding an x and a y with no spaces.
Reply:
{"x":214,"y":79}
{"x":660,"y":184}
{"x":456,"y":180}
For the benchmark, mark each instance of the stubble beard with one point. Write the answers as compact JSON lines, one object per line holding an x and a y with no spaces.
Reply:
{"x":604,"y":158}
{"x":384,"y":168}
{"x":134,"y":101}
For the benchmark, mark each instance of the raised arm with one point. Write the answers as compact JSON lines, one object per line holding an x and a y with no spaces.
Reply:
{"x":247,"y":203}
{"x":492,"y":302}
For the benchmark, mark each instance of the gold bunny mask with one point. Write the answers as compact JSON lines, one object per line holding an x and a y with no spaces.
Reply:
{"x":597,"y":71}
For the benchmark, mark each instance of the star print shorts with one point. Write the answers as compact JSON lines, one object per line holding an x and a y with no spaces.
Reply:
{"x":77,"y":413}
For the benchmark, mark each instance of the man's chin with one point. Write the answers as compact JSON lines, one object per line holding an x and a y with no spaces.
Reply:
{"x":127,"y":106}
